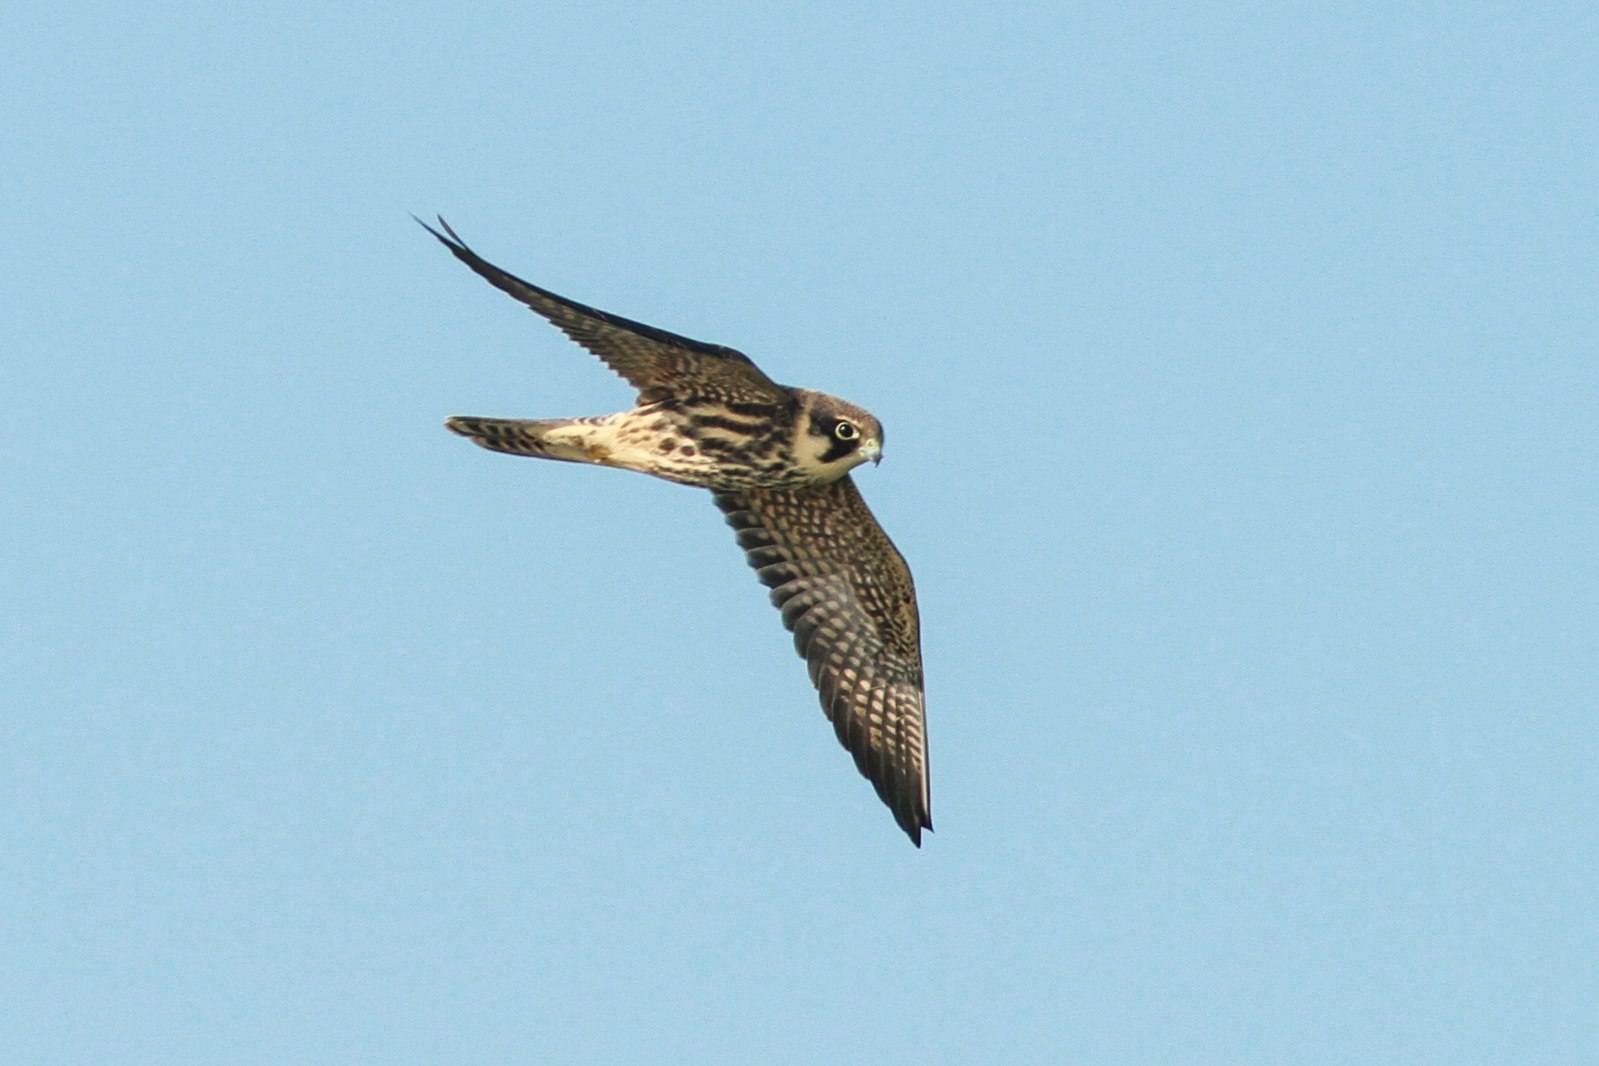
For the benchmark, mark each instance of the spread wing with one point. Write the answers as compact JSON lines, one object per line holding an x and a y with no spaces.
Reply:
{"x":847,"y":595}
{"x":657,"y":363}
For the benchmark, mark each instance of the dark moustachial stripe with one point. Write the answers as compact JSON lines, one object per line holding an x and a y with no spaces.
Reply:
{"x":822,"y":426}
{"x":839,"y":449}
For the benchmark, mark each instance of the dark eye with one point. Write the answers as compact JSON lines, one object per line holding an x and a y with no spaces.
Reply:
{"x":845,"y":430}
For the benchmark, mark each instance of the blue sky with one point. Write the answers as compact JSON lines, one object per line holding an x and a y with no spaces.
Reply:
{"x":1238,"y":366}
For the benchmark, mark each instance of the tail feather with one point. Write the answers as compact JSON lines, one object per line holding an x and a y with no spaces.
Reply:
{"x":541,"y":438}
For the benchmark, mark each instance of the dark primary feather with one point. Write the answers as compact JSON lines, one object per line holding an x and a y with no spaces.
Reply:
{"x":846,"y":594}
{"x":649,"y":359}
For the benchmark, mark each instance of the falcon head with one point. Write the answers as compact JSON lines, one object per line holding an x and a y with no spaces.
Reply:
{"x":833,"y":436}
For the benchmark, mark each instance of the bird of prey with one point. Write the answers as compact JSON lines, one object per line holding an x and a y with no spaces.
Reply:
{"x":777,"y":461}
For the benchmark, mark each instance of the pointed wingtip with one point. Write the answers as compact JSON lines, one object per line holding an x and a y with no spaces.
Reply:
{"x":452,"y":241}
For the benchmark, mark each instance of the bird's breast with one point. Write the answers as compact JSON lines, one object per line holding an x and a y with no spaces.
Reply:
{"x":726,"y":447}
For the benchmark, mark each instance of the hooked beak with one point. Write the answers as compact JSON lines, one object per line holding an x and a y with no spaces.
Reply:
{"x":873,"y":450}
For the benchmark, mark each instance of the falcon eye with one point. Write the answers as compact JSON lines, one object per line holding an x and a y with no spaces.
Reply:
{"x":846,"y":431}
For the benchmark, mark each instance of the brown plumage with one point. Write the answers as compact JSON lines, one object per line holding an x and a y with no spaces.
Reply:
{"x":778,"y":461}
{"x":846,"y":594}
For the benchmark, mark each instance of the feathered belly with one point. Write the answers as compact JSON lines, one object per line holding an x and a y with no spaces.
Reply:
{"x":708,"y":448}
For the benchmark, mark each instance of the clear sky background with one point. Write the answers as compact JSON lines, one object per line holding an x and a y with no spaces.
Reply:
{"x":1239,"y":369}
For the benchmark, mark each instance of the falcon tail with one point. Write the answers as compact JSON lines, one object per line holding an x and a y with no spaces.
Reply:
{"x":570,"y":440}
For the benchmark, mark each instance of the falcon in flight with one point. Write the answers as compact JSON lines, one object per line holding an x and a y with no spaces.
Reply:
{"x":777,"y":461}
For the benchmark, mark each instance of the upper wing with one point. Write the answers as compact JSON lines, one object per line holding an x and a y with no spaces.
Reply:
{"x":655,"y":362}
{"x":847,"y":595}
